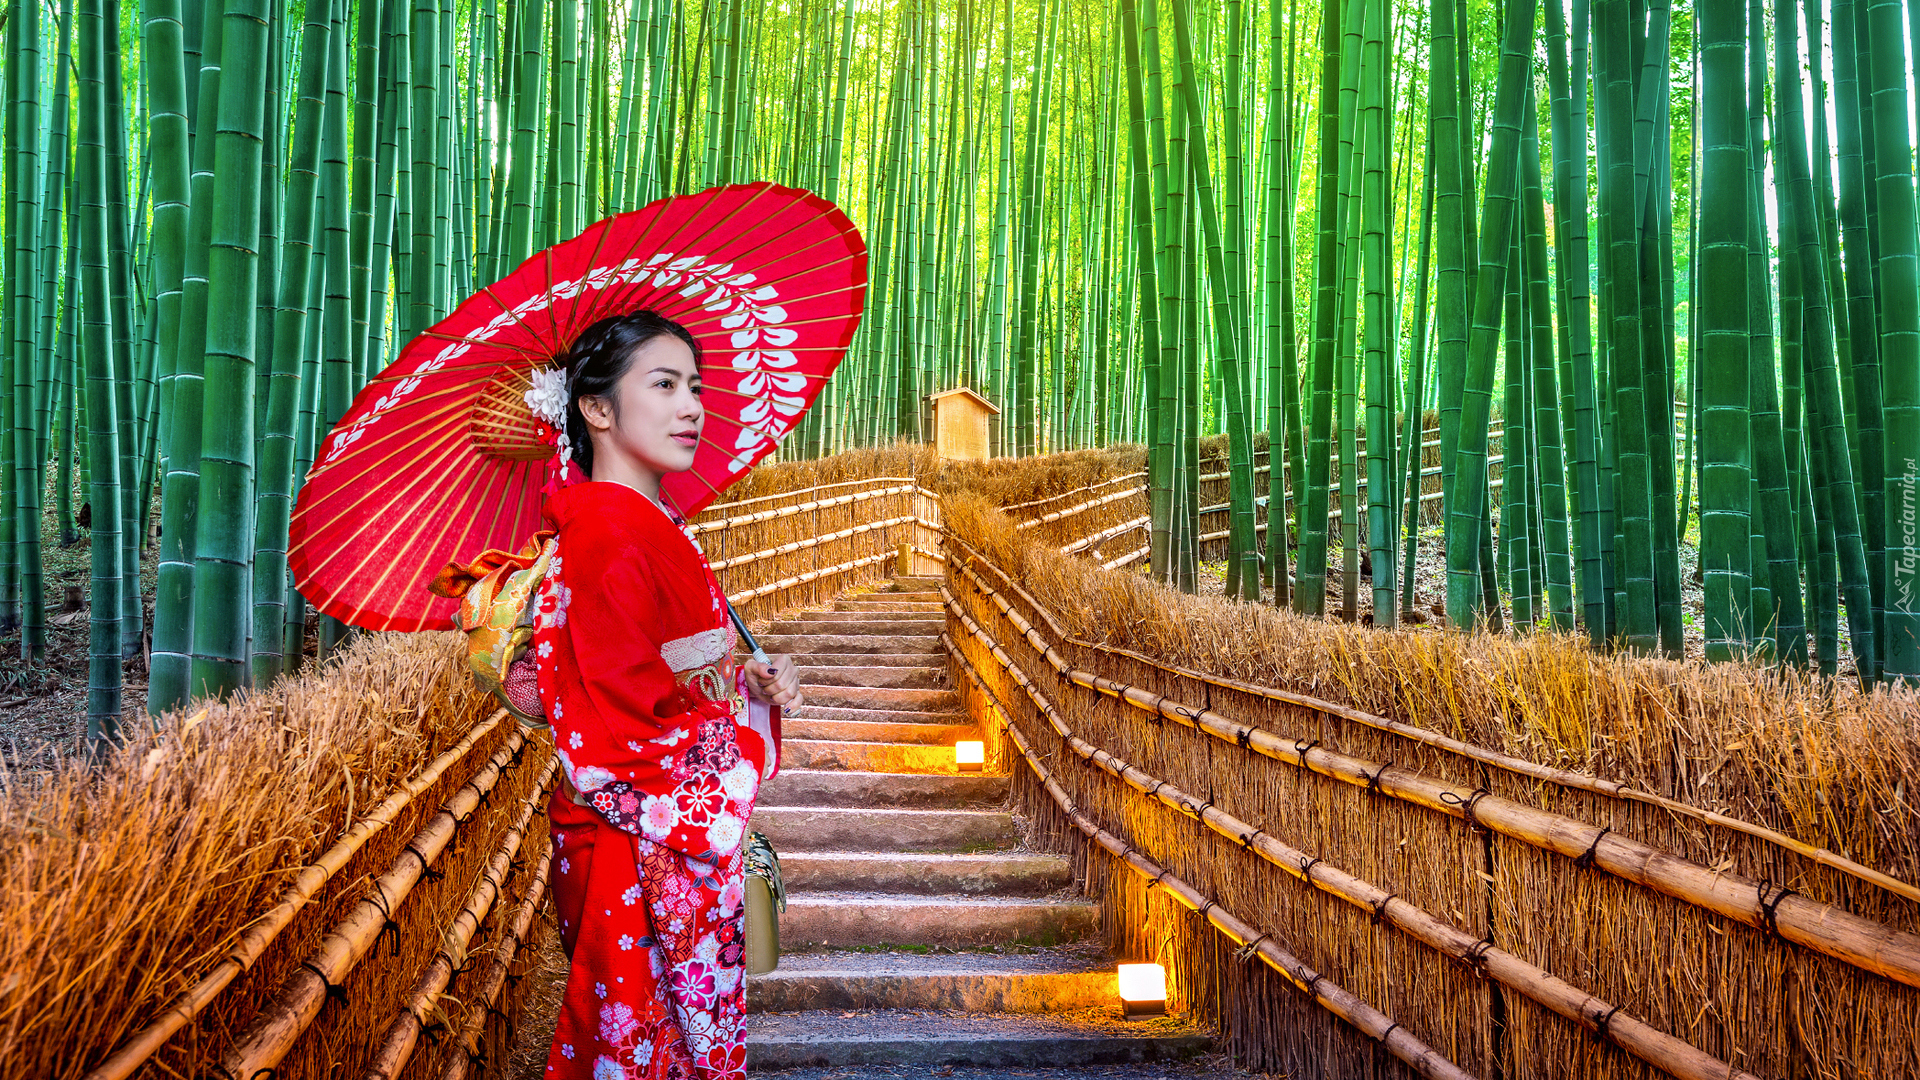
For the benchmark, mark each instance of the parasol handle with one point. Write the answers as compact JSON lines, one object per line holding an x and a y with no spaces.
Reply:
{"x":746,"y":635}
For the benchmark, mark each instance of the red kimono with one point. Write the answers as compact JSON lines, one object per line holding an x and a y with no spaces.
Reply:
{"x":663,"y":755}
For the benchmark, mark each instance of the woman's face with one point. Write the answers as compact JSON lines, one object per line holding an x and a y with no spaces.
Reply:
{"x":655,"y":421}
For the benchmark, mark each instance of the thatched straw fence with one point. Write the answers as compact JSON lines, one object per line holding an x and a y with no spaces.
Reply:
{"x":1524,"y":858}
{"x":259,"y":883}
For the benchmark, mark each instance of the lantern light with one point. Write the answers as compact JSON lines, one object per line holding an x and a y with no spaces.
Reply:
{"x":1143,"y":990}
{"x":970,"y":755}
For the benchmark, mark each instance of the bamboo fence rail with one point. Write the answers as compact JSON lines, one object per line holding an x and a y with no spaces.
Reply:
{"x":1763,"y":905}
{"x":262,"y":932}
{"x":1518,"y":766}
{"x":481,"y":1005}
{"x":1672,"y":1055}
{"x":811,"y":548}
{"x":1564,"y":927}
{"x":1370,"y":1021}
{"x":294,"y":1007}
{"x":402,"y":1036}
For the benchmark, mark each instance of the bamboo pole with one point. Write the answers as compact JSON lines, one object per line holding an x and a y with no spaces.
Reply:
{"x":1672,"y":1055}
{"x":262,"y":931}
{"x":811,"y":541}
{"x":1109,"y":482}
{"x":403,"y":1034}
{"x":1369,"y":1021}
{"x":1107,"y":534}
{"x":496,"y":976}
{"x":1070,"y":511}
{"x":801,"y":508}
{"x":736,"y":599}
{"x":1858,"y":941}
{"x":293,"y":1008}
{"x":1506,"y":762}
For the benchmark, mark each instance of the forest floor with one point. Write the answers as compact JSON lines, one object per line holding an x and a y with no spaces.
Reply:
{"x":1430,"y":592}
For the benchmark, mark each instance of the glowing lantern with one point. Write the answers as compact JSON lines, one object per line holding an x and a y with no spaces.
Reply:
{"x":1143,"y":990}
{"x":970,"y":755}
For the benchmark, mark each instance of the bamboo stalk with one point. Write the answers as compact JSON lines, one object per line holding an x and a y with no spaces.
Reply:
{"x":1563,"y":777}
{"x":403,"y":1034}
{"x":1130,"y":557}
{"x":262,"y":931}
{"x":1369,"y":1021}
{"x":293,"y":1008}
{"x":1672,"y":1055}
{"x":489,"y":989}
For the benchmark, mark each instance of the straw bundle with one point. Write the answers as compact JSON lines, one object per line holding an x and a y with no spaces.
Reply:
{"x":131,"y":878}
{"x":1826,"y":768}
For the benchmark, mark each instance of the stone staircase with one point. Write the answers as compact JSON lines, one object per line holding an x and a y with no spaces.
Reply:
{"x":918,"y":932}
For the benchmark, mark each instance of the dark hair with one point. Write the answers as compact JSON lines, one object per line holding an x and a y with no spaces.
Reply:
{"x":600,"y":357}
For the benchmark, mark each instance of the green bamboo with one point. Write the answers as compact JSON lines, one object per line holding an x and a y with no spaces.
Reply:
{"x":169,"y":661}
{"x":103,"y":427}
{"x":23,"y":317}
{"x":1725,"y":396}
{"x":274,"y":503}
{"x":1467,"y":529}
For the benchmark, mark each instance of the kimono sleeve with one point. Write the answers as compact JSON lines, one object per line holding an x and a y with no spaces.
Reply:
{"x":618,"y":752}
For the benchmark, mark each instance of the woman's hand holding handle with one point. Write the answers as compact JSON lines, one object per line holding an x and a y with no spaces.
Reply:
{"x":776,"y":682}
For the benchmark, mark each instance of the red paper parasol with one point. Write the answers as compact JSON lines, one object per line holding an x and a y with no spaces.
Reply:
{"x":441,"y":458}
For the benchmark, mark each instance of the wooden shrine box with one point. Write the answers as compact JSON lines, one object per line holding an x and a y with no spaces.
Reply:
{"x":960,"y":419}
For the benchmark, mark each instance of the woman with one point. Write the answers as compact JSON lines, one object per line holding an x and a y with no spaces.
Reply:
{"x":661,"y":758}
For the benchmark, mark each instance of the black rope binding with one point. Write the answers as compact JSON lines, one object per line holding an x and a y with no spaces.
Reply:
{"x":1467,"y":804}
{"x":1373,"y":782}
{"x":1313,"y":983}
{"x":1585,"y":861}
{"x":1307,"y":863}
{"x":1380,"y":908}
{"x":1250,"y":950}
{"x":335,"y":992}
{"x":1769,"y":909}
{"x":379,"y":897}
{"x":1244,"y":737}
{"x":1476,"y":957}
{"x":268,"y":1073}
{"x":1602,"y":1025}
{"x":1301,"y":746}
{"x":1246,"y":839}
{"x":1382,"y":1040}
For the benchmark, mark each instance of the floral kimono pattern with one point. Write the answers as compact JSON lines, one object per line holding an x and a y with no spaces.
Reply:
{"x":663,"y":756}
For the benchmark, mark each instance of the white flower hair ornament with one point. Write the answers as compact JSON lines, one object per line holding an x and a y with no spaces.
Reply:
{"x":547,"y":400}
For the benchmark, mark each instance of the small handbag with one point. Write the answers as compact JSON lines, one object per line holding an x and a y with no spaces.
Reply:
{"x":766,"y":899}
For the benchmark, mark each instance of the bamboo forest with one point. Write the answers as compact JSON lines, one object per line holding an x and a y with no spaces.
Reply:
{"x":1584,"y":302}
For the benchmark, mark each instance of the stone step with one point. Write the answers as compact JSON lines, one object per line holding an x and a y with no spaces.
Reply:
{"x":932,"y":617}
{"x":824,"y":787}
{"x":994,"y":874}
{"x":867,"y":756}
{"x":842,"y":623}
{"x":931,"y":733}
{"x":992,"y":1040}
{"x":1043,"y":981}
{"x":840,"y":920}
{"x":868,"y":697}
{"x":828,"y":828}
{"x":815,"y":711}
{"x":808,"y":642}
{"x":873,"y":677}
{"x":885,"y":602}
{"x":906,"y":660}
